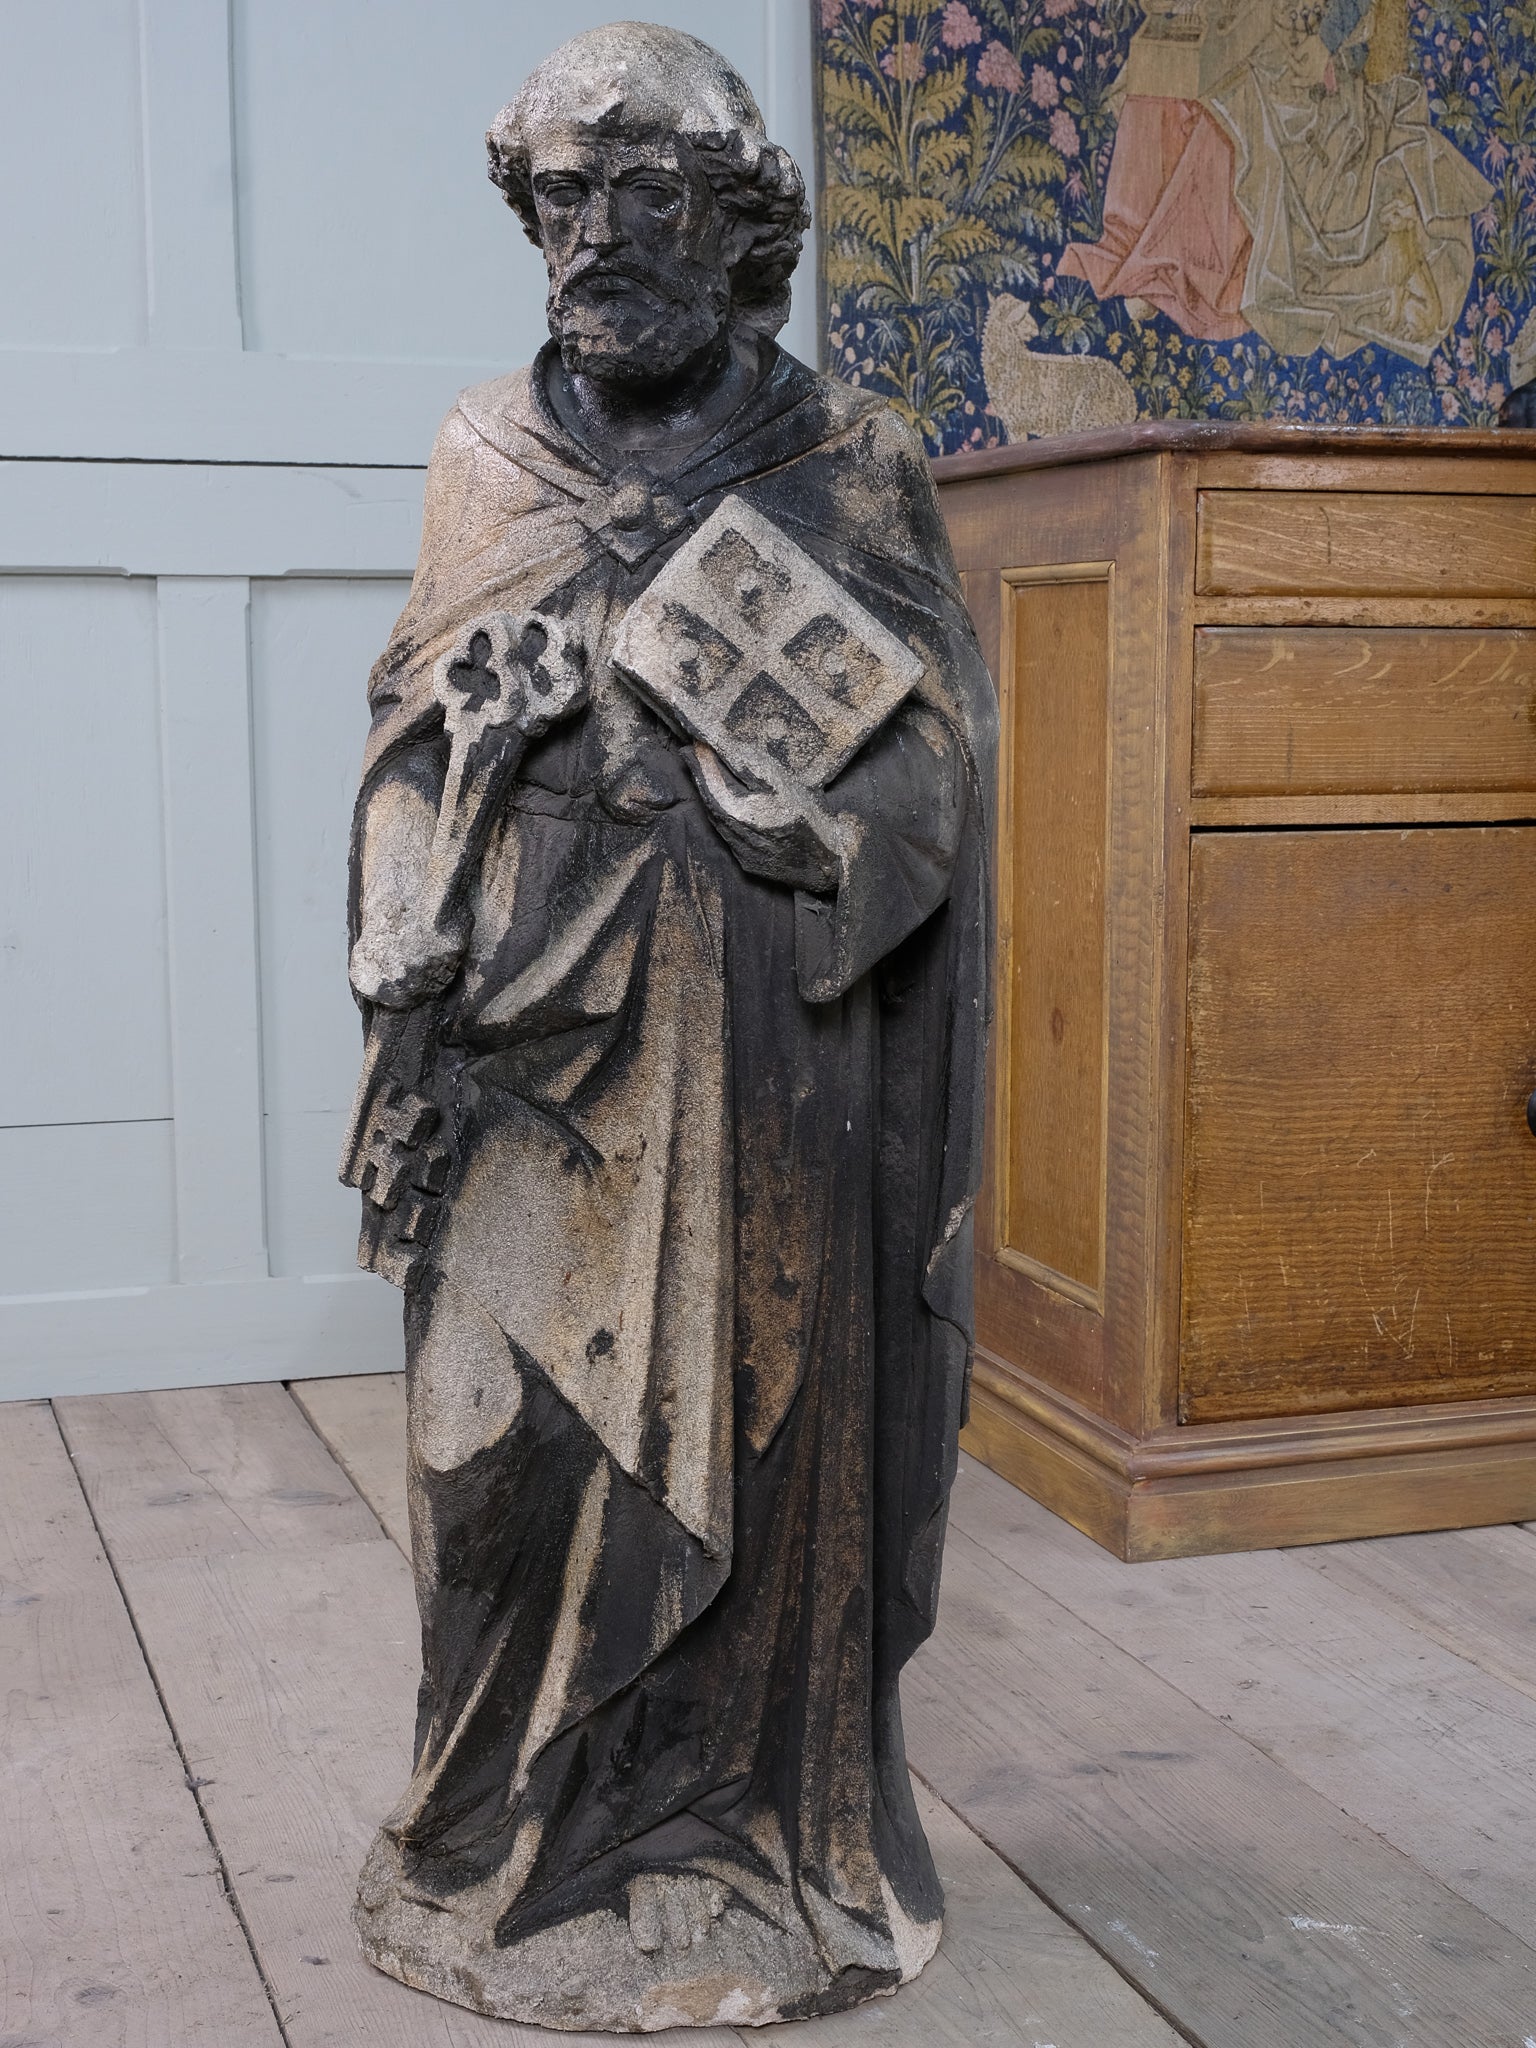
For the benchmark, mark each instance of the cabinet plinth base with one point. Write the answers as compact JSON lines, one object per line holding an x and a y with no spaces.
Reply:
{"x":1256,"y":1486}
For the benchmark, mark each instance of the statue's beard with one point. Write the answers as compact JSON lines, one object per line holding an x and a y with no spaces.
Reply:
{"x":620,"y":329}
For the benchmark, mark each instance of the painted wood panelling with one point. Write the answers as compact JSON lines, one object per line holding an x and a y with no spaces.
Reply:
{"x":296,"y":256}
{"x":385,"y":111}
{"x":72,"y":243}
{"x":82,"y":912}
{"x":181,"y":1079}
{"x":205,"y":745}
{"x":208,"y":519}
{"x":311,"y":646}
{"x":116,"y":1339}
{"x":89,"y":1206}
{"x":251,"y":256}
{"x":188,"y":157}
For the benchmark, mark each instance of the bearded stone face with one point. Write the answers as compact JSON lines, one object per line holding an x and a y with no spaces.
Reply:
{"x":638,"y":251}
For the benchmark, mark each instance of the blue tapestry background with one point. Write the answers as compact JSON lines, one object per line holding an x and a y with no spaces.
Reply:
{"x":1323,"y":212}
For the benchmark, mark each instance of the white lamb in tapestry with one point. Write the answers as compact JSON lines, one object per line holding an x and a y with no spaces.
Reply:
{"x":1034,"y":393}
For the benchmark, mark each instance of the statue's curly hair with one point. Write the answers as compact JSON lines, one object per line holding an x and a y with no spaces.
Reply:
{"x":750,"y":176}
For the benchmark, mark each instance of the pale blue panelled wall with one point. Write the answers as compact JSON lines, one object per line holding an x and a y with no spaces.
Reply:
{"x":248,"y":256}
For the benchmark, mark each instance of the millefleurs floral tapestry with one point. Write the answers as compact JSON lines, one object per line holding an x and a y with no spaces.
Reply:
{"x":1045,"y":215}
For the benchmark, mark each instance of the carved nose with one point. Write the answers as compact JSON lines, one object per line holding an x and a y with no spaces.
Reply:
{"x":600,"y":221}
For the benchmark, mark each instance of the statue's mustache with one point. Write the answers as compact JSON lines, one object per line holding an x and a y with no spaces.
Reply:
{"x":599,"y":270}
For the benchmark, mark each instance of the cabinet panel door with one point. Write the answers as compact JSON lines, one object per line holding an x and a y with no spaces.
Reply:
{"x":1360,"y":1182}
{"x":1052,"y":1011}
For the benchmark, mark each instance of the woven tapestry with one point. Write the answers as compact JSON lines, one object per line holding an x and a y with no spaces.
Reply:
{"x":1040,"y":216}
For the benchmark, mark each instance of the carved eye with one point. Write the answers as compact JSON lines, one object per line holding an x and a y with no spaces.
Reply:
{"x":655,"y":196}
{"x":560,"y":193}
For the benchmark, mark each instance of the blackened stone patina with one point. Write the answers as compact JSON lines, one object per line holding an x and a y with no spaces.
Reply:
{"x":668,"y":908}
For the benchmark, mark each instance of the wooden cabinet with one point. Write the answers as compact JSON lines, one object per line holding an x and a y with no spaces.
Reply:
{"x":1257,"y":1249}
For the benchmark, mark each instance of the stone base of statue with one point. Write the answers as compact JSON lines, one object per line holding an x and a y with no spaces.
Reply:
{"x":688,"y":1952}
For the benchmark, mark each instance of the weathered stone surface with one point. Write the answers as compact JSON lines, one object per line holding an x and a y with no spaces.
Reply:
{"x":684,"y":1950}
{"x":754,"y":649}
{"x":668,"y":904}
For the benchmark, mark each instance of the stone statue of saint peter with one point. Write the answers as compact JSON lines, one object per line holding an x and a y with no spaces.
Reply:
{"x":668,"y":929}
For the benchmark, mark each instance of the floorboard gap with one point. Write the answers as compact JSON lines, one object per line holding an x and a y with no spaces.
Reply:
{"x":335,"y":1451}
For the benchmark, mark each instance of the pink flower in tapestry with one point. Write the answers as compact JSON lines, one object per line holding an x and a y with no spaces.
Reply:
{"x":998,"y":66}
{"x":961,"y":28}
{"x":1043,"y":89}
{"x":904,"y":61}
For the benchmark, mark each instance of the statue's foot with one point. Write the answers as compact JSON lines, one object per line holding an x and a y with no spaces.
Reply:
{"x":669,"y":1914}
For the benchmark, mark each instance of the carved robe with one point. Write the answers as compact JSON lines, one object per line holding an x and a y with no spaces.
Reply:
{"x":688,"y":1355}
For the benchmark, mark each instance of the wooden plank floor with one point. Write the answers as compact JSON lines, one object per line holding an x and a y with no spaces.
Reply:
{"x":1281,"y":1800}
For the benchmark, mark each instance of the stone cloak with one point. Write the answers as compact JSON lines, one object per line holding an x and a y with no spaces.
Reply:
{"x":688,"y":1357}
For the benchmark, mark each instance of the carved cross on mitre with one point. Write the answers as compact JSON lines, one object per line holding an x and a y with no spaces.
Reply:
{"x":750,"y":646}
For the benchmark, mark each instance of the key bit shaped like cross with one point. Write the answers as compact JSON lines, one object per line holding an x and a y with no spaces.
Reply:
{"x":389,"y":1160}
{"x":506,"y":679}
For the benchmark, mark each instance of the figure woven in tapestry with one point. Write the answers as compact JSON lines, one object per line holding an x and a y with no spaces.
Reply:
{"x":668,"y":918}
{"x":1045,"y":216}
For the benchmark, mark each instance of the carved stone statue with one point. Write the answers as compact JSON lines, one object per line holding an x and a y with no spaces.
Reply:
{"x":668,"y":902}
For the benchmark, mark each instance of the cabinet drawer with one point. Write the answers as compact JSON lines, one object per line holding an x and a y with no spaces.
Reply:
{"x":1360,"y":1184}
{"x":1364,"y":543}
{"x":1314,"y":710}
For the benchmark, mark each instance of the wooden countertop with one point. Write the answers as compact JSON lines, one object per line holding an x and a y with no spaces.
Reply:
{"x":1249,"y":437}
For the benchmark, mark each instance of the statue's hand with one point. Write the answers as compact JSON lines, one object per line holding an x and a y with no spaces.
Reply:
{"x":400,"y":963}
{"x":784,"y":837}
